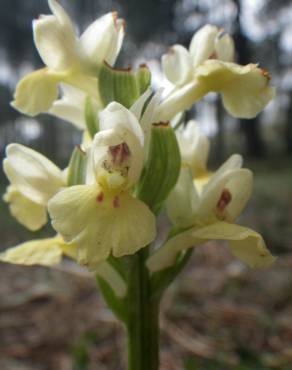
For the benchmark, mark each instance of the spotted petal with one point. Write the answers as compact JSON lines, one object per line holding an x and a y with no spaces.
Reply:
{"x":100,"y":224}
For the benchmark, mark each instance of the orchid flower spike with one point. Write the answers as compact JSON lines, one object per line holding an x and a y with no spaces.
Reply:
{"x":208,"y":67}
{"x":68,"y":58}
{"x":102,"y":216}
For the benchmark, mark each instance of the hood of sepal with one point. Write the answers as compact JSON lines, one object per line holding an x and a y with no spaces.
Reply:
{"x":122,"y":85}
{"x":77,"y":167}
{"x":162,"y":167}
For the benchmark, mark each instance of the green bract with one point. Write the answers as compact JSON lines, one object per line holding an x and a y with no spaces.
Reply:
{"x":162,"y":167}
{"x":91,"y":118}
{"x":122,"y":86}
{"x":77,"y":167}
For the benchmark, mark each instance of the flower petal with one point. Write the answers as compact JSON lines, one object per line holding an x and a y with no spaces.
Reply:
{"x":245,"y":244}
{"x":30,"y":214}
{"x":71,"y":106}
{"x":55,"y":39}
{"x":100,"y":224}
{"x":67,"y":111}
{"x":203,"y":44}
{"x":224,"y":47}
{"x":103,"y":39}
{"x":234,"y":162}
{"x":138,"y":106}
{"x":177,"y":65}
{"x":194,"y":148}
{"x":226,"y":197}
{"x":181,"y":99}
{"x":44,"y":252}
{"x":115,"y":115}
{"x":36,"y":92}
{"x":32,"y":174}
{"x":183,"y":200}
{"x":245,"y":89}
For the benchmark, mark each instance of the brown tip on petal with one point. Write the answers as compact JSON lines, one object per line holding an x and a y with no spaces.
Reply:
{"x":266,"y":74}
{"x":116,"y":202}
{"x":100,"y":197}
{"x":143,"y":65}
{"x":80,"y":149}
{"x":161,"y":124}
{"x":171,"y":50}
{"x":128,"y":69}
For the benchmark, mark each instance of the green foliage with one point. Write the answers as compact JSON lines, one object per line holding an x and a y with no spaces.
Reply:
{"x":122,"y":85}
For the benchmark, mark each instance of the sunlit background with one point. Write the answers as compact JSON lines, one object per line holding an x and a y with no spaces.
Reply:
{"x":219,"y":315}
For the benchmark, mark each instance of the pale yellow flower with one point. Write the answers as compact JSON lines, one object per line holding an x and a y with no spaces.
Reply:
{"x":208,"y":67}
{"x":102,"y":217}
{"x":68,"y":58}
{"x":210,"y":215}
{"x":34,"y":180}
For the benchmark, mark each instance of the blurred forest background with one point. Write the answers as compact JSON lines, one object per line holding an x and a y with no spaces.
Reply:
{"x":220,"y":315}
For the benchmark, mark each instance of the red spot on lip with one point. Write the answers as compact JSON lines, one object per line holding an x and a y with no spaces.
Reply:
{"x":224,"y":200}
{"x":116,"y":202}
{"x":100,"y":197}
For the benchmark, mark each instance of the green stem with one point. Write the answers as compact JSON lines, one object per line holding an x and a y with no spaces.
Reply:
{"x":143,"y":317}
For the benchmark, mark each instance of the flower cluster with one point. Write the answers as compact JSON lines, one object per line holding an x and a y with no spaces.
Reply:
{"x":131,"y":164}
